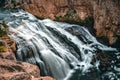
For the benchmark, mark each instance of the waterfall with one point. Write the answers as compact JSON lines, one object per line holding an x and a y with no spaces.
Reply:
{"x":63,"y":51}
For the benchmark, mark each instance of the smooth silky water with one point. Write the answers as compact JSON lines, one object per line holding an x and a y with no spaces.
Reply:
{"x":63,"y":51}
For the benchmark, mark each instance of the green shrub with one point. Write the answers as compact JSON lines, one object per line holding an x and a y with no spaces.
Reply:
{"x":2,"y":31}
{"x":3,"y":28}
{"x":4,"y":25}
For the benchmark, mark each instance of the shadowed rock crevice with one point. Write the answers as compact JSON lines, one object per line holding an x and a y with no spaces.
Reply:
{"x":2,"y":3}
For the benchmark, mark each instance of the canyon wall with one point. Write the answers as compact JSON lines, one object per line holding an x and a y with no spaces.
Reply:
{"x":103,"y":16}
{"x":107,"y":21}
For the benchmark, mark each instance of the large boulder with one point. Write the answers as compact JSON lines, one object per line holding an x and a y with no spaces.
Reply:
{"x":12,"y":70}
{"x":10,"y":66}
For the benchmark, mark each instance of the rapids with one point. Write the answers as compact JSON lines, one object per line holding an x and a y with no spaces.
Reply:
{"x":61,"y":50}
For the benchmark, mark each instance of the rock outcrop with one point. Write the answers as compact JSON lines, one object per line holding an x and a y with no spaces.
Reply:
{"x":107,"y":20}
{"x":9,"y":69}
{"x":7,"y":48}
{"x":12,"y":70}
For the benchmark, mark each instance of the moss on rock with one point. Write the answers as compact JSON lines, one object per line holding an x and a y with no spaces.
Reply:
{"x":3,"y":29}
{"x":3,"y":49}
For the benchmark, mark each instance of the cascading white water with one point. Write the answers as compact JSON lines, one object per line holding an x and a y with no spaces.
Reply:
{"x":51,"y":46}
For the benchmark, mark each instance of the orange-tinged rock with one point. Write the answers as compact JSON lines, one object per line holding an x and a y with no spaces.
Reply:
{"x":46,"y":78}
{"x":15,"y":76}
{"x":9,"y":66}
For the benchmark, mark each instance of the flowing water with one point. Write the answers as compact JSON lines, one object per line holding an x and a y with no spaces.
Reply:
{"x":63,"y":51}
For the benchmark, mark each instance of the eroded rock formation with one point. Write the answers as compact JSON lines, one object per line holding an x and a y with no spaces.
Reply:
{"x":107,"y":20}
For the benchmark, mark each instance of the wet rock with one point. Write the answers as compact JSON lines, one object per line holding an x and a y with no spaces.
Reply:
{"x":2,"y":3}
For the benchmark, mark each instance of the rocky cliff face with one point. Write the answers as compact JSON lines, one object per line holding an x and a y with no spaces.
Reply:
{"x":107,"y":20}
{"x":58,"y":8}
{"x":103,"y":15}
